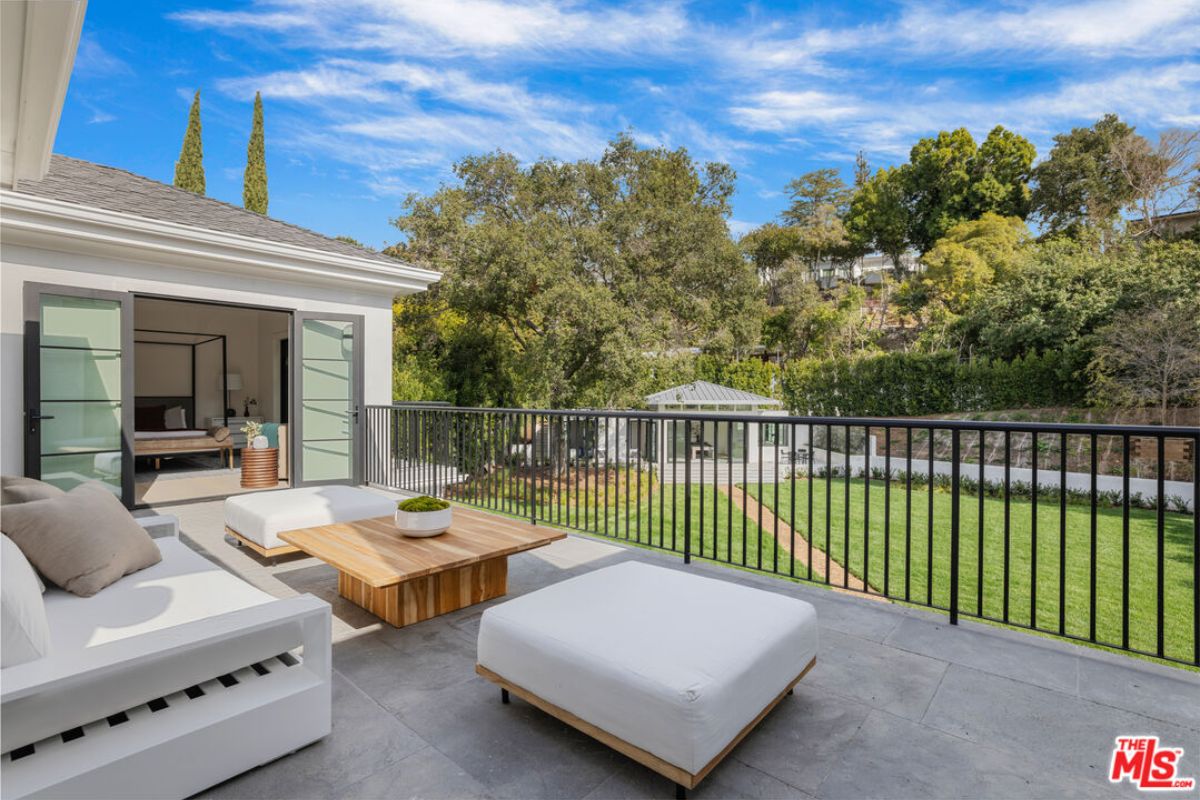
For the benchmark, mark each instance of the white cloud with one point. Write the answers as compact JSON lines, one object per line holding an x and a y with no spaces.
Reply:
{"x":92,"y":60}
{"x":782,"y":110}
{"x":456,"y":131}
{"x":740,"y":227}
{"x":343,"y":80}
{"x":536,"y":28}
{"x":401,"y":88}
{"x":928,"y":33}
{"x":1093,"y":28}
{"x":887,"y":121}
{"x":434,"y":115}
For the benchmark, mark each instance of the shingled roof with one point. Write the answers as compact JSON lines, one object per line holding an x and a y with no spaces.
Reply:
{"x":703,"y":393}
{"x":95,"y":185}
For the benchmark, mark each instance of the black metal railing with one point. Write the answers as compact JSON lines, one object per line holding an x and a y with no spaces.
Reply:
{"x":1088,"y":532}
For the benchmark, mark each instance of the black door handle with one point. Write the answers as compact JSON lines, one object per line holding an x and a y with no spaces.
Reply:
{"x":35,"y":415}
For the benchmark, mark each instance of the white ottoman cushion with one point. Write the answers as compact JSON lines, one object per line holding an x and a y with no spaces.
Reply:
{"x":262,"y":516}
{"x":671,"y":662}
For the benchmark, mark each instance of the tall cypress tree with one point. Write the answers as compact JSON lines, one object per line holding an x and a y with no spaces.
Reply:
{"x":254,"y":184}
{"x":189,"y":169}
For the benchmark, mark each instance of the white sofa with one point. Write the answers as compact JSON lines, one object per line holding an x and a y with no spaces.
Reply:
{"x":165,"y":683}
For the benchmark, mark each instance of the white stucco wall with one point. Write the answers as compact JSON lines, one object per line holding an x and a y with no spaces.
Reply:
{"x":20,"y":264}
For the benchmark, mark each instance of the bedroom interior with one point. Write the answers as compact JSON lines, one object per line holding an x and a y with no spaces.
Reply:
{"x":202,"y":371}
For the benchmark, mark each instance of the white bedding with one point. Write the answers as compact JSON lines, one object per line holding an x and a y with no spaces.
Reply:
{"x":181,"y":434}
{"x":673,"y":663}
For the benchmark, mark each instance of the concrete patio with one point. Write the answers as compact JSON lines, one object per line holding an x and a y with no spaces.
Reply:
{"x":899,"y":705}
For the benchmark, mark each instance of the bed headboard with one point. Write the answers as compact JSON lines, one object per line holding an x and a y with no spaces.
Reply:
{"x":168,"y":401}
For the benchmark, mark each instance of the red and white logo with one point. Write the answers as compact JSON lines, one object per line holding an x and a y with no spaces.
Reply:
{"x":1148,"y":766}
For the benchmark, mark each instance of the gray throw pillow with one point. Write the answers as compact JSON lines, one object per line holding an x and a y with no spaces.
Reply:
{"x":15,"y":490}
{"x":81,"y":541}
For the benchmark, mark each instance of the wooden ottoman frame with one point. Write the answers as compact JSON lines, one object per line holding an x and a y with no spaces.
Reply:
{"x":683,"y":779}
{"x":265,"y":552}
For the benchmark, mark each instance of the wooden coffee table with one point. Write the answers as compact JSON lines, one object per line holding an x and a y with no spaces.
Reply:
{"x":403,"y":580}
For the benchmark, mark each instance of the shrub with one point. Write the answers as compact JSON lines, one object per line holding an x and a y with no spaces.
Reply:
{"x":923,"y":384}
{"x":422,"y":503}
{"x":749,"y":374}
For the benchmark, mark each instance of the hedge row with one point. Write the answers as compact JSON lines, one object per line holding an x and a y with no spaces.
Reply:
{"x":921,"y":384}
{"x":749,"y":375}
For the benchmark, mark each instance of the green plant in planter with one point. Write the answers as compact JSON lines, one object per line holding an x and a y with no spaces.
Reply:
{"x":422,"y":503}
{"x":252,"y":430}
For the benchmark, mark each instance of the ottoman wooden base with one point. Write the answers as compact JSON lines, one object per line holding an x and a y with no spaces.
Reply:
{"x":419,"y":599}
{"x":265,"y":552}
{"x":681,"y":777}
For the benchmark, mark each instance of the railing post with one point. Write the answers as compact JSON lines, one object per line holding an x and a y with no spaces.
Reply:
{"x":687,"y":491}
{"x":533,"y":467}
{"x":954,"y":481}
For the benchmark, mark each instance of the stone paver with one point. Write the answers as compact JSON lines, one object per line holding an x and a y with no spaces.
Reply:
{"x":901,"y":704}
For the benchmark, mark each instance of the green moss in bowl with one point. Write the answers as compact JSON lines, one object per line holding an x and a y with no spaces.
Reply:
{"x":416,"y":505}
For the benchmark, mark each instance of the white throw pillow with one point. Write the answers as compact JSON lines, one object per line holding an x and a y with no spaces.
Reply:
{"x":176,"y":418}
{"x":24,"y":631}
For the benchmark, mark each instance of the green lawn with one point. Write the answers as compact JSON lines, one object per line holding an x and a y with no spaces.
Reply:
{"x":656,"y":518}
{"x":930,"y":579}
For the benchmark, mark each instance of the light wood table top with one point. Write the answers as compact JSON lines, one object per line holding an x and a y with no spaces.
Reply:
{"x":376,"y":553}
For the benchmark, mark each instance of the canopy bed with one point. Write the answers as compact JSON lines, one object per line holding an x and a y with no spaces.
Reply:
{"x":165,"y":424}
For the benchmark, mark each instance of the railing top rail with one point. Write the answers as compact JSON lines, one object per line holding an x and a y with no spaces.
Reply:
{"x":1169,"y":431}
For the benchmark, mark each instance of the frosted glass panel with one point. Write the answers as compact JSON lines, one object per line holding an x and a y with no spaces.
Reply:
{"x":328,"y":339}
{"x":80,"y":427}
{"x":80,"y":375}
{"x":81,"y":322}
{"x":67,"y":472}
{"x":80,"y":390}
{"x":326,"y":380}
{"x":326,"y":461}
{"x":326,"y":419}
{"x":327,"y":400}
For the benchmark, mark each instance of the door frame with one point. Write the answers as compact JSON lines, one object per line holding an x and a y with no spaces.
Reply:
{"x":32,"y":375}
{"x":296,"y":424}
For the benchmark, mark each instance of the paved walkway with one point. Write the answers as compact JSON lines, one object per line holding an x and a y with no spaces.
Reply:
{"x":900,"y":704}
{"x":783,"y":537}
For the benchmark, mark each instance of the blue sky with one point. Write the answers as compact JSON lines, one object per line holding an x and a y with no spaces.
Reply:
{"x":367,"y":100}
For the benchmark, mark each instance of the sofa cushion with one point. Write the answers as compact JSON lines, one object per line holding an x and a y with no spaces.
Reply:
{"x":24,"y":631}
{"x":15,"y":490}
{"x":182,"y":587}
{"x":175,"y":418}
{"x":671,"y":662}
{"x":82,"y":541}
{"x":262,"y":516}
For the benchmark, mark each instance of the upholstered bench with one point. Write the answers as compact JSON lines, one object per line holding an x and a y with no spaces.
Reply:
{"x":669,"y":668}
{"x":257,"y":519}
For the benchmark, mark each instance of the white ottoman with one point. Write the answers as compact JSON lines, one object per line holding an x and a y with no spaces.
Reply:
{"x":257,"y":519}
{"x":669,"y":668}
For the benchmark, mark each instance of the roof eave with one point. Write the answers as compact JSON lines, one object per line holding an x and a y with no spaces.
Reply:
{"x":45,"y":222}
{"x":43,"y":63}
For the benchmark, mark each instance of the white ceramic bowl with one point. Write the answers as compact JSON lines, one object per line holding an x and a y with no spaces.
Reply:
{"x":419,"y":524}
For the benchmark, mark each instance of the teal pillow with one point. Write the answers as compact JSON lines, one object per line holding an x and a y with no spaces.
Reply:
{"x":271,"y":431}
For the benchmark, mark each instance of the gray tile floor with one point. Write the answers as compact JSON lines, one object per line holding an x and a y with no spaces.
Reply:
{"x":900,"y":704}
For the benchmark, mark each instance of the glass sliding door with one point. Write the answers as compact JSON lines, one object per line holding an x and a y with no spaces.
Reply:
{"x":328,"y":383}
{"x":79,"y":387}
